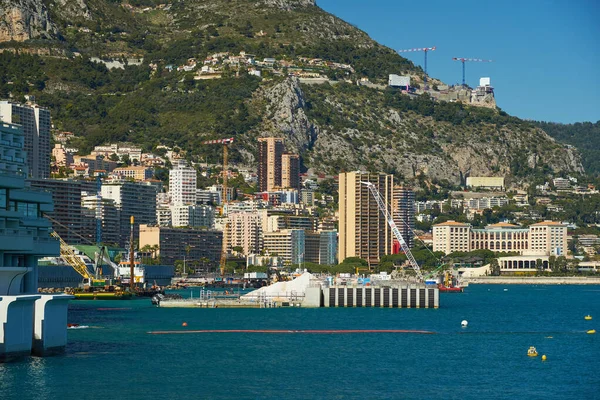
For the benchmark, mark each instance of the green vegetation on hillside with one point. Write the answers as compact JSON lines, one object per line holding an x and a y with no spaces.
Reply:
{"x":585,"y":136}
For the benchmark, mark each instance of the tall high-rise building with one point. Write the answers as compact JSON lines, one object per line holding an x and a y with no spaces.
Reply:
{"x":290,"y":171}
{"x":363,"y":231}
{"x":245,"y":231}
{"x":68,"y":219}
{"x":404,"y":213}
{"x":35,"y":121}
{"x":270,"y":150}
{"x":182,"y":184}
{"x":132,"y":199}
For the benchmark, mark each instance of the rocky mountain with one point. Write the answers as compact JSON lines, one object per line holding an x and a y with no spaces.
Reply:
{"x":334,"y":123}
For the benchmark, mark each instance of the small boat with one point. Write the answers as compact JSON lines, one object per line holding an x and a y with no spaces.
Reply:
{"x":532,"y":352}
{"x":587,"y":317}
{"x":591,"y":331}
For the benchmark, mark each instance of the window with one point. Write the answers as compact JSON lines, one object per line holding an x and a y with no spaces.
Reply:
{"x":3,"y":199}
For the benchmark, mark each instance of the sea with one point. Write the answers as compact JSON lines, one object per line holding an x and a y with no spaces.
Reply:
{"x":112,"y":355}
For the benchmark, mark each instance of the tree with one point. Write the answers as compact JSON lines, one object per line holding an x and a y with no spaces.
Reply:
{"x":495,"y":267}
{"x":552,"y":263}
{"x":539,"y":264}
{"x":113,"y":157}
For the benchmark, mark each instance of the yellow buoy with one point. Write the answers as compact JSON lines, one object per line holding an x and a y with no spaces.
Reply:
{"x":544,"y":357}
{"x":591,"y":331}
{"x":587,"y":317}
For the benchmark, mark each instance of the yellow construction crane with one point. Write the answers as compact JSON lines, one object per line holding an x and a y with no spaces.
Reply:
{"x":74,"y":261}
{"x":225,"y":142}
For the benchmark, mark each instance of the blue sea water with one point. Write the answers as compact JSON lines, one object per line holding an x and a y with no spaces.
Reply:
{"x":115,"y":358}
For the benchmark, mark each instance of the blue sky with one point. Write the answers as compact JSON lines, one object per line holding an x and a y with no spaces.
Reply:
{"x":546,"y":52}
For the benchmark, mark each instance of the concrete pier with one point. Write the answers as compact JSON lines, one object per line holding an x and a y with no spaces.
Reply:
{"x":402,"y":296}
{"x":50,"y":319}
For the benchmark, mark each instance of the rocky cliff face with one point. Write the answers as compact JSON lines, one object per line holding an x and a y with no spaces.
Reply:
{"x":22,"y":20}
{"x":289,"y":4}
{"x":393,"y":141}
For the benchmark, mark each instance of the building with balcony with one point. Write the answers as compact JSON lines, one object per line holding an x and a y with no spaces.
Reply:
{"x":177,"y":243}
{"x":182,"y":184}
{"x":29,"y":322}
{"x":363,"y":231}
{"x":35,"y":122}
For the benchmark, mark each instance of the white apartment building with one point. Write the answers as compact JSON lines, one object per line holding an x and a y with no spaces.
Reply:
{"x":196,"y":216}
{"x":182,"y":184}
{"x":548,"y":237}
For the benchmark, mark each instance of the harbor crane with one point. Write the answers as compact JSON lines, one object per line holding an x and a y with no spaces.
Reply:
{"x":390,"y":220}
{"x":74,"y":261}
{"x":424,"y":50}
{"x":462,"y":60}
{"x":226,"y":143}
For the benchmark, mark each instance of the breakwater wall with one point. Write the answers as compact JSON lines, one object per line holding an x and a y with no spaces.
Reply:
{"x":388,"y":297}
{"x":532,"y":280}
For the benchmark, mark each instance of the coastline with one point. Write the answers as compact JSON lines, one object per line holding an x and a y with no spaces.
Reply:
{"x":545,"y":280}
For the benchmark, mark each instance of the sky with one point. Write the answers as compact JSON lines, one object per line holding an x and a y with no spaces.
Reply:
{"x":546,"y":53}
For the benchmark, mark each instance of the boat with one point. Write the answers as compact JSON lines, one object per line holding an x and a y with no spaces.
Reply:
{"x":587,"y":317}
{"x":591,"y":331}
{"x":532,"y":352}
{"x":449,"y":289}
{"x":101,"y":295}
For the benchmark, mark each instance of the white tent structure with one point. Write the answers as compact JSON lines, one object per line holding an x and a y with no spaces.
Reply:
{"x":282,"y":291}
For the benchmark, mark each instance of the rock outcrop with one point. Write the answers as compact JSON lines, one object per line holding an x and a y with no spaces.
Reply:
{"x":22,"y":20}
{"x":392,"y":143}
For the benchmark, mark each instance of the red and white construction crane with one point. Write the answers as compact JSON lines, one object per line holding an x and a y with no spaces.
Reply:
{"x":225,"y":142}
{"x":390,"y":220}
{"x":425,"y":50}
{"x":462,"y":60}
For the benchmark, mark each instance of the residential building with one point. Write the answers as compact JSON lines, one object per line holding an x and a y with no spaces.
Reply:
{"x":182,"y":184}
{"x":136,"y":173}
{"x":62,"y":157}
{"x":35,"y":121}
{"x":363,"y":231}
{"x":67,"y":217}
{"x":132,"y":199}
{"x":307,"y":197}
{"x":404,"y":213}
{"x":177,"y":244}
{"x":288,"y":244}
{"x":290,"y":171}
{"x":163,"y":215}
{"x":192,"y":215}
{"x":95,"y":163}
{"x":109,"y":216}
{"x":31,"y":323}
{"x":270,"y":150}
{"x":245,"y":231}
{"x":328,"y":248}
{"x":486,"y":182}
{"x":208,"y":197}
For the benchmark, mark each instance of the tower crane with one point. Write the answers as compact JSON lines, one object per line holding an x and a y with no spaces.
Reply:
{"x":225,"y":142}
{"x":424,"y":50}
{"x":390,"y":220}
{"x":462,"y":60}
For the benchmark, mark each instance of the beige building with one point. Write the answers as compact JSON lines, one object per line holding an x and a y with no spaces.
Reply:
{"x":363,"y":231}
{"x":451,"y":236}
{"x":136,"y":173}
{"x":245,"y":231}
{"x":548,"y":237}
{"x":488,"y":182}
{"x":544,"y":238}
{"x":270,"y":150}
{"x":176,"y":243}
{"x":290,"y":171}
{"x":288,"y":244}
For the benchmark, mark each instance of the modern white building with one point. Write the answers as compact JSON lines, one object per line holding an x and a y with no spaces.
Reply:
{"x":197,"y":216}
{"x":29,"y":322}
{"x":182,"y":184}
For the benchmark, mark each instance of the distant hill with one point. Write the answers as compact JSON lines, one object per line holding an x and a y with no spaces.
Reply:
{"x":585,"y":136}
{"x":48,"y":47}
